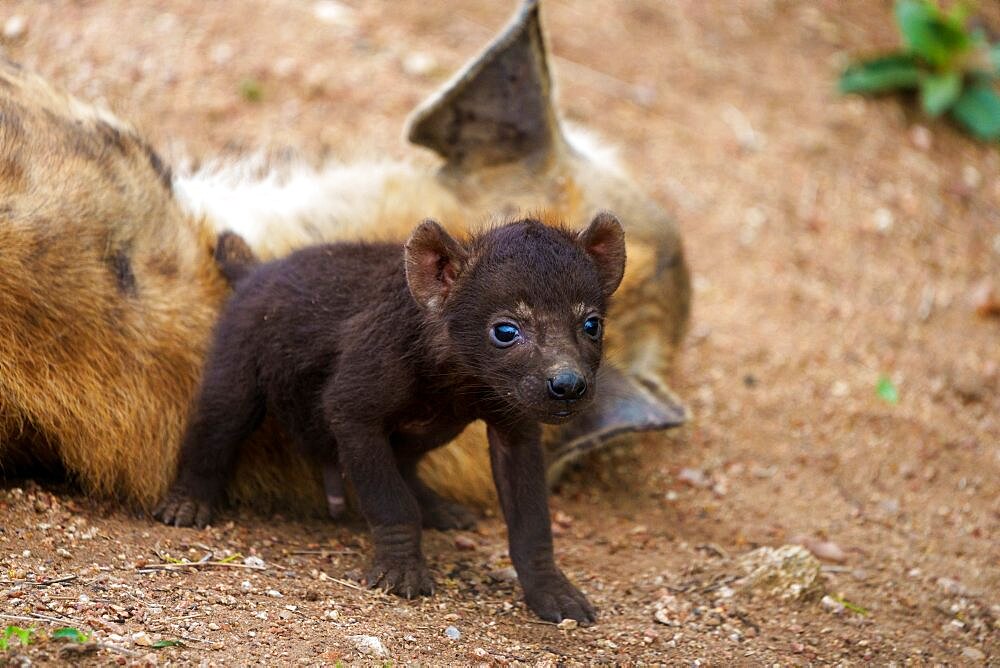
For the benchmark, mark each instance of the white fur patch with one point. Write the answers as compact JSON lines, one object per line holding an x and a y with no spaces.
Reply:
{"x":588,"y":144}
{"x":278,"y":210}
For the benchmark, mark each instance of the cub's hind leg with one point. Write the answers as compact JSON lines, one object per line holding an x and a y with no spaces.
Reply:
{"x":436,"y":511}
{"x":230,"y":406}
{"x":302,"y":417}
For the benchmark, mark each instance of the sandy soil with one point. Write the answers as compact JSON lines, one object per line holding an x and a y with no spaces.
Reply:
{"x":833,"y":241}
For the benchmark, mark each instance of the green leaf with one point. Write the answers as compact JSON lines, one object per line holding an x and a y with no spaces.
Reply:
{"x":888,"y":73}
{"x":939,"y":91}
{"x":978,"y":110}
{"x":160,"y":644}
{"x":251,"y":90}
{"x":23,"y":635}
{"x":70,"y":633}
{"x":853,"y":607}
{"x":886,"y":390}
{"x":960,"y":12}
{"x":929,"y":33}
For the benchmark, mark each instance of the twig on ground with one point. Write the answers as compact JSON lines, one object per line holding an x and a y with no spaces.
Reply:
{"x":57,"y":620}
{"x":345,"y":583}
{"x":148,"y":568}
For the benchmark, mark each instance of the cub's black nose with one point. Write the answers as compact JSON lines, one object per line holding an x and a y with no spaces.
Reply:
{"x":567,"y":385}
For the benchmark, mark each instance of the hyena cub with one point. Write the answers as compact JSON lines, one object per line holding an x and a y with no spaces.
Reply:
{"x":372,"y":355}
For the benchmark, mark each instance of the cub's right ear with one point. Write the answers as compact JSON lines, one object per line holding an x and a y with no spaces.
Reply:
{"x":433,"y":260}
{"x":604,"y":241}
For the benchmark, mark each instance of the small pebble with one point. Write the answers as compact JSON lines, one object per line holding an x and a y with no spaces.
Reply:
{"x":15,"y":27}
{"x":274,"y":593}
{"x":419,"y":64}
{"x":883,"y":220}
{"x":694,"y":477}
{"x":504,"y":574}
{"x":246,"y":586}
{"x":921,"y":137}
{"x":952,"y":586}
{"x":333,"y":13}
{"x":369,"y":645}
{"x":823,"y":549}
{"x":142,"y":639}
{"x":973,"y":654}
{"x":832,"y":605}
{"x":254,"y":562}
{"x":568,"y":624}
{"x":985,"y":299}
{"x":971,"y":177}
{"x":453,"y":633}
{"x":465,"y":543}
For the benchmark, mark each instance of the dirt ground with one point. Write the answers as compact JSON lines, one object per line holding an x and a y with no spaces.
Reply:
{"x":833,"y":242}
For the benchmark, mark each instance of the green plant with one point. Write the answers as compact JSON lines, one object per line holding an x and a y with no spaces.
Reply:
{"x":886,"y":390}
{"x":70,"y":633}
{"x":953,"y":67}
{"x":251,"y":90}
{"x":22,"y":635}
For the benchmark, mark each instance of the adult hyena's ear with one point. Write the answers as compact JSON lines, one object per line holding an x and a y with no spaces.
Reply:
{"x":604,"y":241}
{"x":433,"y":260}
{"x":498,"y":109}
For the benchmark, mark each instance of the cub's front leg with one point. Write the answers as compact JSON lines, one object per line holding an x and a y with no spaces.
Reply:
{"x":519,"y":473}
{"x":387,"y":504}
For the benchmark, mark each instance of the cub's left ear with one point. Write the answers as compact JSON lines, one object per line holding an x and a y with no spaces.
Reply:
{"x":433,"y":261}
{"x":604,"y":241}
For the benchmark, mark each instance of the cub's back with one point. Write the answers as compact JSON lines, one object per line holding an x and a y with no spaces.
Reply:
{"x":300,"y":311}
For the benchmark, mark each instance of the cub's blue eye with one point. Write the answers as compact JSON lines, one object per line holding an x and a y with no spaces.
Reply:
{"x":504,"y":334}
{"x":592,"y":327}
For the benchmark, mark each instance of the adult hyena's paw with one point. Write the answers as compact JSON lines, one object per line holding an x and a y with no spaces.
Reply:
{"x":446,"y":515}
{"x":554,"y":598}
{"x":181,"y":509}
{"x":408,"y":577}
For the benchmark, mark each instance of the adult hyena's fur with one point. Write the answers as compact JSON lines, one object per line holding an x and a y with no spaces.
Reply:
{"x":108,"y":287}
{"x":107,"y":293}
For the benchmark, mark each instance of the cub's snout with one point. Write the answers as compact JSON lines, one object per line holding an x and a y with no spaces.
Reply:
{"x":567,"y":385}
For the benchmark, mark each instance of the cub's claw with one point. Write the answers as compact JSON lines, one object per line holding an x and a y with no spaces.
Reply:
{"x":406,"y":578}
{"x":181,"y":510}
{"x":555,"y":599}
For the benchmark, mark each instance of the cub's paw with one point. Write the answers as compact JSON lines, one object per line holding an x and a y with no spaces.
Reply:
{"x":182,"y":510}
{"x":447,"y":515}
{"x":554,"y":598}
{"x":408,"y":578}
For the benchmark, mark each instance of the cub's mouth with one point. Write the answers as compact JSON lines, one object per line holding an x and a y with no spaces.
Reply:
{"x":560,"y":415}
{"x":533,"y":402}
{"x":551,"y":412}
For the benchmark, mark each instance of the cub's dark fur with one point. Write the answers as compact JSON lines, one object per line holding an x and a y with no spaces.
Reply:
{"x":370,"y":355}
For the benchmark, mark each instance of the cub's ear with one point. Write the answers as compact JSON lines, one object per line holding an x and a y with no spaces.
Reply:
{"x":604,"y":241}
{"x":433,"y":261}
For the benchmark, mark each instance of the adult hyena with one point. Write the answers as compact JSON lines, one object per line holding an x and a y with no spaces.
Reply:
{"x":108,"y":287}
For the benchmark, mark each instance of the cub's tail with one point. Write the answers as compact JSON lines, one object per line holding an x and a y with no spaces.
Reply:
{"x":234,"y":257}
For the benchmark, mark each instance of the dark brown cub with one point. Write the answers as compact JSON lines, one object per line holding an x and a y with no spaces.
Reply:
{"x":371,"y":355}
